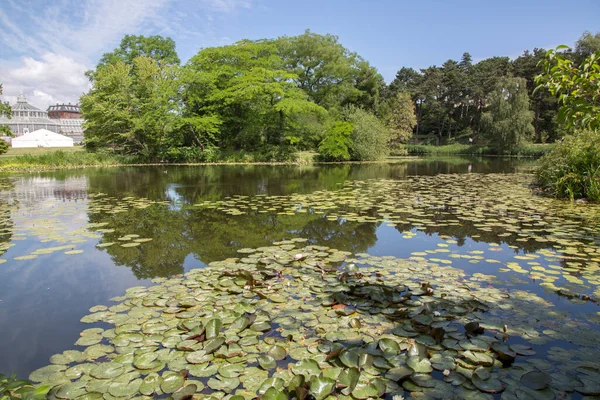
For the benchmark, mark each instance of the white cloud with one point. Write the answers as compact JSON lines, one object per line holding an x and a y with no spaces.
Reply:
{"x":46,"y":50}
{"x":51,"y":79}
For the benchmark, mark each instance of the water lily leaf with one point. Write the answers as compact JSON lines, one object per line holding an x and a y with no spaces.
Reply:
{"x":276,"y":383}
{"x":267,"y":362}
{"x":231,"y":370}
{"x":124,"y":389}
{"x":307,"y":368}
{"x":185,"y":392}
{"x":210,"y":346}
{"x":171,"y":381}
{"x":146,"y":361}
{"x":274,"y":394}
{"x":321,"y":387}
{"x":399,"y":373}
{"x":535,"y":380}
{"x":349,"y":358}
{"x":489,"y":386}
{"x":365,"y":360}
{"x":277,"y":352}
{"x":226,"y":385}
{"x":349,"y":378}
{"x":198,"y":357}
{"x":375,"y":388}
{"x":107,"y":371}
{"x":389,"y":346}
{"x":71,"y":390}
{"x":420,"y":365}
{"x":213,"y":328}
{"x":150,"y":384}
{"x":479,"y":358}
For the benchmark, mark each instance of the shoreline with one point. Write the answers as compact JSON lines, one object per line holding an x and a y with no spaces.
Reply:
{"x":392,"y":159}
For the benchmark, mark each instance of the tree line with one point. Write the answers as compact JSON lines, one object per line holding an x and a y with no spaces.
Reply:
{"x":275,"y":97}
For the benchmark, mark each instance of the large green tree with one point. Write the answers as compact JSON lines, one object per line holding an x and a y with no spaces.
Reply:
{"x":327,"y":72}
{"x":134,"y":105}
{"x":399,"y":115}
{"x":159,"y":48}
{"x":243,"y":95}
{"x":133,"y":109}
{"x":507,"y":121}
{"x":542,"y":102}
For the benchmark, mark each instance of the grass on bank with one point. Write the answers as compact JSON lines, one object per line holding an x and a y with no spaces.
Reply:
{"x":12,"y":152}
{"x":527,"y":150}
{"x":77,"y":157}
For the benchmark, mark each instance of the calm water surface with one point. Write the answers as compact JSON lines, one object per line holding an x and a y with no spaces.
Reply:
{"x":43,"y":298}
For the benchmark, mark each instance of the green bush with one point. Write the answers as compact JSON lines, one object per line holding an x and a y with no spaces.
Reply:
{"x":572,"y":169}
{"x":189,"y":155}
{"x":337,"y":143}
{"x":3,"y":146}
{"x":370,"y":136}
{"x":12,"y":388}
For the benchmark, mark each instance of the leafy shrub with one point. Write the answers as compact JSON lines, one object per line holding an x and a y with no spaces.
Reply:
{"x":337,"y":142}
{"x":190,"y":155}
{"x":572,"y":169}
{"x":370,"y":136}
{"x":13,"y":388}
{"x":3,"y":146}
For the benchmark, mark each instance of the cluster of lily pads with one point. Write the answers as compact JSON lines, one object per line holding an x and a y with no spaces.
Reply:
{"x":285,"y":322}
{"x":491,"y":207}
{"x":55,"y":224}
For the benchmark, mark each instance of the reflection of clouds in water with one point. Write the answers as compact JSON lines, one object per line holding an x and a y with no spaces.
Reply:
{"x":34,"y":190}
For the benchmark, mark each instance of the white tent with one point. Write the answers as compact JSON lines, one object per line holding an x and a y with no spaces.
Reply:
{"x":41,"y":138}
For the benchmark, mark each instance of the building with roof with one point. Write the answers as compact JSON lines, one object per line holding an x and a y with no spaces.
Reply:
{"x":69,"y":119}
{"x":27,"y":118}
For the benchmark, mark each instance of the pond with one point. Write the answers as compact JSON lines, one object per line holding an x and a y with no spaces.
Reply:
{"x":427,"y":278}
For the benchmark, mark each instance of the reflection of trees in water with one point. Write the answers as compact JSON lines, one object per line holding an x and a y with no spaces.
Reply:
{"x":211,"y":235}
{"x":6,"y":222}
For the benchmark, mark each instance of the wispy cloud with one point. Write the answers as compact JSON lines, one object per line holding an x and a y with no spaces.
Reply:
{"x":46,"y":46}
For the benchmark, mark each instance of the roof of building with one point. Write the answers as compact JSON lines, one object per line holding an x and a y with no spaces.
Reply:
{"x":23,"y":105}
{"x":65,"y":107}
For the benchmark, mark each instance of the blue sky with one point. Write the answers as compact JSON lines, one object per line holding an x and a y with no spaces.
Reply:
{"x":46,"y":45}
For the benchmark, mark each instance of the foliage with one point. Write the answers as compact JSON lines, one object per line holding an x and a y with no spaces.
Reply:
{"x":12,"y":388}
{"x":337,"y":142}
{"x":587,"y":45}
{"x":132,"y":110}
{"x":63,"y":159}
{"x":5,"y":109}
{"x":251,"y":100}
{"x":577,"y":88}
{"x":399,"y":115}
{"x":508,"y":119}
{"x":3,"y":147}
{"x":160,"y":49}
{"x":370,"y":137}
{"x":542,"y":103}
{"x":572,"y":169}
{"x":329,"y":74}
{"x":524,"y":150}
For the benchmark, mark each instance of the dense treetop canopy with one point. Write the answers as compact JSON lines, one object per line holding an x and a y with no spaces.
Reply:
{"x":278,"y":96}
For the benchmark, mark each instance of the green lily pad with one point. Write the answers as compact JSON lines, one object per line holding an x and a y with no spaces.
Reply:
{"x":267,"y":362}
{"x":171,"y":381}
{"x":535,"y":380}
{"x":321,"y":387}
{"x":277,"y":352}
